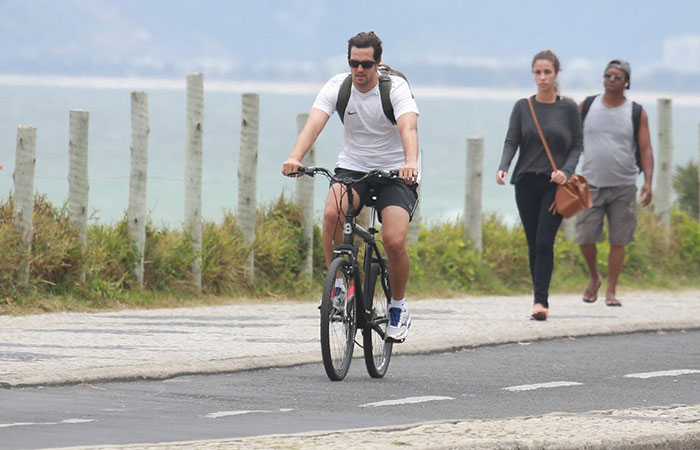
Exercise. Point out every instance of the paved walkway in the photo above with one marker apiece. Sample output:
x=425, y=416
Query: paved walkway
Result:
x=139, y=344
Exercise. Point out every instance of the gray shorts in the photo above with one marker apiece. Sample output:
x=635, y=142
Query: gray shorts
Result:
x=619, y=204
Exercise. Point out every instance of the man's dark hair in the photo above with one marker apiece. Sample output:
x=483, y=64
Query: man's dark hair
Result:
x=366, y=39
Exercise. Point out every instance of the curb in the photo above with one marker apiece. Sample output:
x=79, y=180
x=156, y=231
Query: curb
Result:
x=675, y=427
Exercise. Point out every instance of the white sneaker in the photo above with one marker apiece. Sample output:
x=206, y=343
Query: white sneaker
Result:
x=399, y=323
x=338, y=294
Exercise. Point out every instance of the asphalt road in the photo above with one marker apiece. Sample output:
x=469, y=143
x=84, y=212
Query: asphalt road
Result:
x=572, y=375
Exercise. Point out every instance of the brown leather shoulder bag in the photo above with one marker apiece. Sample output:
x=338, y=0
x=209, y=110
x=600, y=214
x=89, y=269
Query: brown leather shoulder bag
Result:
x=573, y=196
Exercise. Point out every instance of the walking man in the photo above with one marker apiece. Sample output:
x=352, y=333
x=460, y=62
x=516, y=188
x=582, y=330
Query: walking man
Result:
x=616, y=146
x=370, y=141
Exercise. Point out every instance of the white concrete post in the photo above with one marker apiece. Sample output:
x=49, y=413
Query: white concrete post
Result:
x=304, y=198
x=136, y=212
x=193, y=171
x=23, y=208
x=247, y=176
x=568, y=226
x=664, y=179
x=473, y=193
x=78, y=184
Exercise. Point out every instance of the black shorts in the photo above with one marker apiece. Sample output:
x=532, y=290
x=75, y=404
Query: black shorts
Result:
x=387, y=192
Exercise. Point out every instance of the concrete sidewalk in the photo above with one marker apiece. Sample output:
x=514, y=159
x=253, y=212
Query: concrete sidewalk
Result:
x=139, y=344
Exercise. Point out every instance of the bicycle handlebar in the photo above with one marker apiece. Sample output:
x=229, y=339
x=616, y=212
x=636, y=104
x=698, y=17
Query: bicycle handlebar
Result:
x=311, y=171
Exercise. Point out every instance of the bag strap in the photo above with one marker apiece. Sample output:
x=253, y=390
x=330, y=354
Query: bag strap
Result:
x=341, y=103
x=587, y=102
x=384, y=94
x=539, y=130
x=636, y=120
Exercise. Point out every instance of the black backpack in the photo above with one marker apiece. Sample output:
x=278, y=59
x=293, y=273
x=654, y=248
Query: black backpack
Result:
x=384, y=90
x=636, y=118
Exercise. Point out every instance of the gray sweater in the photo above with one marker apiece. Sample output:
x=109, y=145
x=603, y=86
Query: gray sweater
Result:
x=561, y=126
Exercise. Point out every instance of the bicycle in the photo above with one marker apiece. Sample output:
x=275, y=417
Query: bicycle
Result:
x=343, y=313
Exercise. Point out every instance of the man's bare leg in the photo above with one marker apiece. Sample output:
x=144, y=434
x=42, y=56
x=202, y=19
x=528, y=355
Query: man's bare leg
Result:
x=590, y=256
x=615, y=261
x=395, y=221
x=334, y=218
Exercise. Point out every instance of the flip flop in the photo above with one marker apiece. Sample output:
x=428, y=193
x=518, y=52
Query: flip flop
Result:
x=540, y=315
x=612, y=302
x=591, y=296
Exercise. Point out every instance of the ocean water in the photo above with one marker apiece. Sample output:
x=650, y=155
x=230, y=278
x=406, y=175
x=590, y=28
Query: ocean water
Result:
x=447, y=119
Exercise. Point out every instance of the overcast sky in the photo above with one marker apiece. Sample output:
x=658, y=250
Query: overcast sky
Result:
x=298, y=40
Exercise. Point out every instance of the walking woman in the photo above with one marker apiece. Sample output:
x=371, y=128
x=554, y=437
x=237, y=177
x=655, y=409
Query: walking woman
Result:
x=533, y=176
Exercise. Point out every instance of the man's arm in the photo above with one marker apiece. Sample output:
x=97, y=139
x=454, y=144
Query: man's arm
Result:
x=408, y=129
x=314, y=125
x=647, y=157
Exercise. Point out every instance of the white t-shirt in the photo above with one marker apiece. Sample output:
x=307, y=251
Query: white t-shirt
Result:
x=370, y=141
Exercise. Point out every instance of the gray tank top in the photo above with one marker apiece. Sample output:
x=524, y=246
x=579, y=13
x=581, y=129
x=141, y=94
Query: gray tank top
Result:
x=608, y=145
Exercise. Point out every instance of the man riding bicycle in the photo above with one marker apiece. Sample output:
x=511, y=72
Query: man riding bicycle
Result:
x=370, y=142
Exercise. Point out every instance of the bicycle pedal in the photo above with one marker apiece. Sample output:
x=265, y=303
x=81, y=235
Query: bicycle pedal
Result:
x=394, y=341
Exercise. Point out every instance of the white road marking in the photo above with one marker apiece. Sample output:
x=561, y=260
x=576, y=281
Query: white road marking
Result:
x=26, y=424
x=532, y=387
x=663, y=373
x=406, y=401
x=217, y=415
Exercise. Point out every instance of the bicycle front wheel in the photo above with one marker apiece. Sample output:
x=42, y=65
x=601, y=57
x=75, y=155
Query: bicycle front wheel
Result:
x=338, y=320
x=377, y=350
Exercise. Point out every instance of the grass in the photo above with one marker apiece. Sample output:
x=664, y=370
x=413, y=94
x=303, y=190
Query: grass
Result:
x=443, y=262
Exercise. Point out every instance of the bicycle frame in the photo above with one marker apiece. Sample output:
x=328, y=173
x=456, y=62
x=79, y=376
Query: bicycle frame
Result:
x=343, y=312
x=348, y=247
x=352, y=228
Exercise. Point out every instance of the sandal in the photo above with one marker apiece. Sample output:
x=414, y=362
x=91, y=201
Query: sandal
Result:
x=540, y=314
x=591, y=296
x=612, y=302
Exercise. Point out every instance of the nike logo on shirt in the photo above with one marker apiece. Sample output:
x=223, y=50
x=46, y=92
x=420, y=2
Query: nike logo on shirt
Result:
x=351, y=113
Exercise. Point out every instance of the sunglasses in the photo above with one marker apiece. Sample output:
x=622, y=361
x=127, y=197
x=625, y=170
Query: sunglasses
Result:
x=613, y=76
x=365, y=64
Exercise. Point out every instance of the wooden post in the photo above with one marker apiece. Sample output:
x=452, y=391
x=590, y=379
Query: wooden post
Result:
x=472, y=203
x=23, y=208
x=136, y=212
x=664, y=179
x=304, y=198
x=193, y=171
x=78, y=184
x=247, y=176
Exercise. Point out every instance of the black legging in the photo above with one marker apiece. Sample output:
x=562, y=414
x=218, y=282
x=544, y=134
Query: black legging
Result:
x=534, y=193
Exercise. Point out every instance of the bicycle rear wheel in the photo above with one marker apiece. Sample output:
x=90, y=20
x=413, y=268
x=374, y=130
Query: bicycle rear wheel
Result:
x=377, y=350
x=338, y=321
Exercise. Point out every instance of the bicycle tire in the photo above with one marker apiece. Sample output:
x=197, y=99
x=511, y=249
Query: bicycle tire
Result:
x=338, y=322
x=377, y=350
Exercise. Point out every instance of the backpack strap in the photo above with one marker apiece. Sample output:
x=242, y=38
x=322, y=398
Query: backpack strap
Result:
x=384, y=94
x=343, y=97
x=587, y=102
x=636, y=119
x=341, y=103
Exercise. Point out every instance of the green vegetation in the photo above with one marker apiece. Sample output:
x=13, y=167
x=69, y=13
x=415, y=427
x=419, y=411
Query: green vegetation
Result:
x=442, y=262
x=685, y=183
